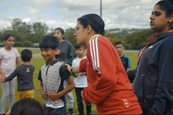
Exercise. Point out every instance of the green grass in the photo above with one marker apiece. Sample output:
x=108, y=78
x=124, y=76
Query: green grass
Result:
x=133, y=57
x=37, y=62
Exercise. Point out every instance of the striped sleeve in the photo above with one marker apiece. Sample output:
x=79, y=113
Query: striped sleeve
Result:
x=95, y=54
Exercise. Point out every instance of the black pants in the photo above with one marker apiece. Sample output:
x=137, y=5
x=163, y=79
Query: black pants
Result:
x=80, y=102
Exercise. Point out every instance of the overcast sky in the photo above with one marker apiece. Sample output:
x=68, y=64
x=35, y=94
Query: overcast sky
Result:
x=63, y=13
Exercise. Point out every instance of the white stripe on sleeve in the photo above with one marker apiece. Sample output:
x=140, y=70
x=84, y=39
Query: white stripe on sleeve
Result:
x=95, y=54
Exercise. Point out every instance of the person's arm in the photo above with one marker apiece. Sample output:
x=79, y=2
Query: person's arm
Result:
x=128, y=63
x=42, y=91
x=106, y=78
x=2, y=76
x=131, y=75
x=44, y=95
x=12, y=75
x=17, y=61
x=72, y=70
x=17, y=56
x=56, y=95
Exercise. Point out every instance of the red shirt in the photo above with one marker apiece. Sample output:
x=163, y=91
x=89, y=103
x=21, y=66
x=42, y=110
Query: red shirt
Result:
x=108, y=84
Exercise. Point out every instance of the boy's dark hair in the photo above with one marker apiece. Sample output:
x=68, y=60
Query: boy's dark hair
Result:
x=49, y=42
x=118, y=42
x=26, y=55
x=7, y=36
x=77, y=46
x=27, y=106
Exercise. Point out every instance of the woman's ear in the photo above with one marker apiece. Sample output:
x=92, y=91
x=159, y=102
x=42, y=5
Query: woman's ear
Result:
x=89, y=28
x=57, y=51
x=170, y=19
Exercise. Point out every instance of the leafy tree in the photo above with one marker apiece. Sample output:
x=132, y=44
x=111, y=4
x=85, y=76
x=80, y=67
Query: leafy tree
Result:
x=69, y=35
x=138, y=39
x=39, y=29
x=21, y=29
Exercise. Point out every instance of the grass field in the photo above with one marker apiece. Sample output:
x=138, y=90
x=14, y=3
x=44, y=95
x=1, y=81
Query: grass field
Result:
x=37, y=62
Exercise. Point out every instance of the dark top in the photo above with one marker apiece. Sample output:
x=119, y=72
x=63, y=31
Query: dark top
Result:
x=24, y=75
x=64, y=74
x=153, y=83
x=67, y=52
x=126, y=62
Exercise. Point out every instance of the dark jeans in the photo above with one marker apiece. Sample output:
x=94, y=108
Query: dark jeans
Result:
x=54, y=111
x=80, y=102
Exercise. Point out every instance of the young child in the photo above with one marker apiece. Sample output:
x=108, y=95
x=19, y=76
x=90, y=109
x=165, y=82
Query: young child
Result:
x=24, y=73
x=52, y=75
x=9, y=59
x=125, y=59
x=80, y=80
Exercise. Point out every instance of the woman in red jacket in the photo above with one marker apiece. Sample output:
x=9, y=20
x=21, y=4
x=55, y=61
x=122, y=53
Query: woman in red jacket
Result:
x=108, y=84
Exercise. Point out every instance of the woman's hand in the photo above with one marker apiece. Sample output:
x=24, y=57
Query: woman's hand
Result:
x=68, y=67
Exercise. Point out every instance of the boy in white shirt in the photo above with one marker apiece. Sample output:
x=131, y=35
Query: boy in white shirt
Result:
x=80, y=81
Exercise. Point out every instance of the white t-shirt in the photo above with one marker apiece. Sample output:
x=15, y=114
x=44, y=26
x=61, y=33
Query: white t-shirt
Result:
x=8, y=60
x=80, y=81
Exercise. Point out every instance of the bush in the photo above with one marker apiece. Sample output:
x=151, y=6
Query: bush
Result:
x=23, y=44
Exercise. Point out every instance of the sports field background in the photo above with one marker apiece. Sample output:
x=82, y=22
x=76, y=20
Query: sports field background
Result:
x=37, y=61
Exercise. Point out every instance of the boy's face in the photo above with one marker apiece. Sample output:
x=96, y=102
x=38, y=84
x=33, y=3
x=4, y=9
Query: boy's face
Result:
x=120, y=49
x=80, y=52
x=48, y=54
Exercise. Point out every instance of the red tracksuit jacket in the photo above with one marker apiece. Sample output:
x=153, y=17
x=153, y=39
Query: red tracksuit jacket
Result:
x=108, y=84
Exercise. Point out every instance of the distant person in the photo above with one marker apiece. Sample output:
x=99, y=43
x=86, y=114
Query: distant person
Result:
x=66, y=55
x=27, y=106
x=24, y=73
x=52, y=75
x=125, y=59
x=9, y=59
x=80, y=80
x=153, y=84
x=108, y=85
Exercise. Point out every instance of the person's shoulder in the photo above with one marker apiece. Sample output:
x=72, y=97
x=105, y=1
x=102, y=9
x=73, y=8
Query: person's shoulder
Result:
x=2, y=49
x=31, y=66
x=165, y=36
x=66, y=42
x=63, y=66
x=44, y=65
x=98, y=38
x=77, y=58
x=167, y=41
x=20, y=67
x=13, y=48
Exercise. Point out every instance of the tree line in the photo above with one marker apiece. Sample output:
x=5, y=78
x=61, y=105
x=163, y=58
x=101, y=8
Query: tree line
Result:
x=26, y=34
